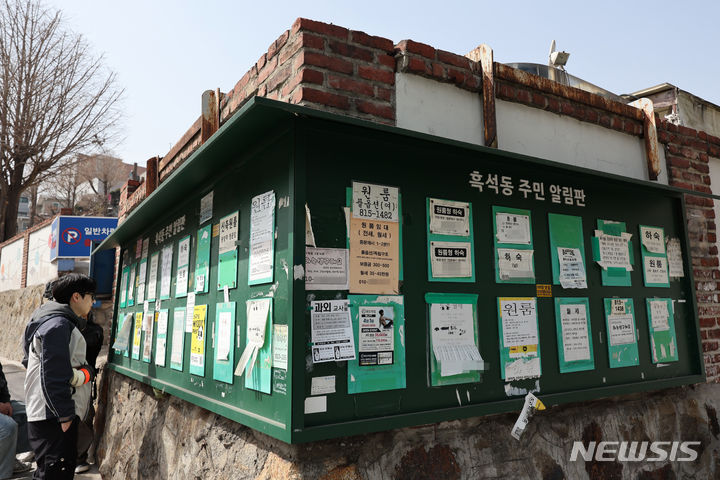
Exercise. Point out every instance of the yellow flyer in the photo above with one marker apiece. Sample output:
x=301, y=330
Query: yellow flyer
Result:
x=197, y=341
x=136, y=335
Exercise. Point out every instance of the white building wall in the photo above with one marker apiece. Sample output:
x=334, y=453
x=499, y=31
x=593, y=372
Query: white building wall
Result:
x=428, y=106
x=40, y=269
x=11, y=265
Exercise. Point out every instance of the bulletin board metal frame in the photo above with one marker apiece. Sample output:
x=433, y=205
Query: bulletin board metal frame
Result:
x=313, y=144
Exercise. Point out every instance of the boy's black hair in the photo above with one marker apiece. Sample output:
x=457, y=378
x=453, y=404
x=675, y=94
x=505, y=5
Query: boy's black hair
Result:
x=49, y=288
x=66, y=285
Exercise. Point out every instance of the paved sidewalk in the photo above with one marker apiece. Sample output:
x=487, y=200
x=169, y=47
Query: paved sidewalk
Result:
x=15, y=375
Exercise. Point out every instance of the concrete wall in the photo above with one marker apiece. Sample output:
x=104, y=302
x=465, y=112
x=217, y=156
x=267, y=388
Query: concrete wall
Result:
x=11, y=263
x=159, y=437
x=16, y=306
x=40, y=269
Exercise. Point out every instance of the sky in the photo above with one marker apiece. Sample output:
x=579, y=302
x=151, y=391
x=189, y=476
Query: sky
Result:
x=166, y=53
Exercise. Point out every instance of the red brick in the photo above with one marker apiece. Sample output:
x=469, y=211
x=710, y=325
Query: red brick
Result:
x=377, y=110
x=567, y=108
x=350, y=85
x=690, y=132
x=351, y=51
x=702, y=135
x=702, y=188
x=304, y=24
x=377, y=74
x=591, y=115
x=418, y=66
x=713, y=139
x=412, y=46
x=456, y=76
x=539, y=100
x=679, y=162
x=267, y=70
x=663, y=136
x=308, y=40
x=306, y=75
x=319, y=60
x=278, y=44
x=302, y=40
x=706, y=179
x=277, y=78
x=699, y=145
x=306, y=94
x=692, y=177
x=261, y=62
x=453, y=59
x=709, y=261
x=629, y=127
x=553, y=104
x=680, y=184
x=707, y=322
x=714, y=333
x=386, y=60
x=369, y=41
x=473, y=82
x=438, y=71
x=383, y=93
x=605, y=121
x=506, y=91
x=700, y=167
x=616, y=123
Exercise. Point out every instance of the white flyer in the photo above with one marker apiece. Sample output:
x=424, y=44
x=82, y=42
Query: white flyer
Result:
x=614, y=250
x=152, y=280
x=621, y=329
x=123, y=287
x=515, y=263
x=453, y=338
x=331, y=331
x=142, y=273
x=228, y=233
x=178, y=336
x=309, y=235
x=576, y=343
x=449, y=218
x=122, y=339
x=675, y=258
x=653, y=239
x=181, y=281
x=280, y=346
x=451, y=259
x=257, y=315
x=519, y=322
x=262, y=238
x=184, y=252
x=512, y=228
x=206, y=207
x=572, y=268
x=131, y=285
x=659, y=315
x=161, y=343
x=326, y=268
x=147, y=341
x=166, y=271
x=656, y=270
x=322, y=385
x=224, y=336
x=376, y=335
x=145, y=247
x=189, y=312
x=375, y=202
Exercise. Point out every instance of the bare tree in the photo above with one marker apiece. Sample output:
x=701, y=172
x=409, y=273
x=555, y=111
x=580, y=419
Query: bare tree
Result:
x=64, y=184
x=102, y=173
x=56, y=100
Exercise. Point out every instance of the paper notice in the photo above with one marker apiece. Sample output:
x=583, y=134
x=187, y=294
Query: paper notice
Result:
x=674, y=258
x=519, y=322
x=450, y=259
x=621, y=330
x=614, y=250
x=190, y=311
x=184, y=252
x=122, y=339
x=309, y=235
x=453, y=338
x=178, y=337
x=449, y=218
x=206, y=208
x=147, y=344
x=572, y=268
x=199, y=334
x=331, y=331
x=322, y=385
x=145, y=247
x=515, y=263
x=152, y=280
x=142, y=274
x=131, y=286
x=315, y=404
x=228, y=233
x=376, y=335
x=160, y=347
x=375, y=202
x=326, y=269
x=512, y=228
x=262, y=238
x=257, y=315
x=374, y=256
x=659, y=315
x=521, y=368
x=224, y=336
x=656, y=270
x=280, y=347
x=123, y=287
x=181, y=281
x=653, y=239
x=137, y=335
x=618, y=306
x=576, y=345
x=531, y=403
x=166, y=271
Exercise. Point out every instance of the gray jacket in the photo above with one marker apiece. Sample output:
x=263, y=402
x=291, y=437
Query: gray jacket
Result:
x=53, y=347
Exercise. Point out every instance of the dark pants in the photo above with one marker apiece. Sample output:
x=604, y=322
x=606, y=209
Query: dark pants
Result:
x=86, y=435
x=55, y=450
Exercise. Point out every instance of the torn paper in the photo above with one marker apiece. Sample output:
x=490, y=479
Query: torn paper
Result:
x=659, y=315
x=532, y=403
x=257, y=315
x=653, y=239
x=572, y=268
x=614, y=250
x=674, y=258
x=453, y=338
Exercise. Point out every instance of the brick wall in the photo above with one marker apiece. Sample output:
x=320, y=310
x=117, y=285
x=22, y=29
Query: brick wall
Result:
x=687, y=152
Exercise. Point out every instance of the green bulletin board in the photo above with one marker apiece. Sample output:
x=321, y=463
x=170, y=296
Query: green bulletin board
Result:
x=450, y=240
x=574, y=338
x=621, y=332
x=513, y=241
x=373, y=378
x=620, y=251
x=566, y=244
x=661, y=325
x=449, y=301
